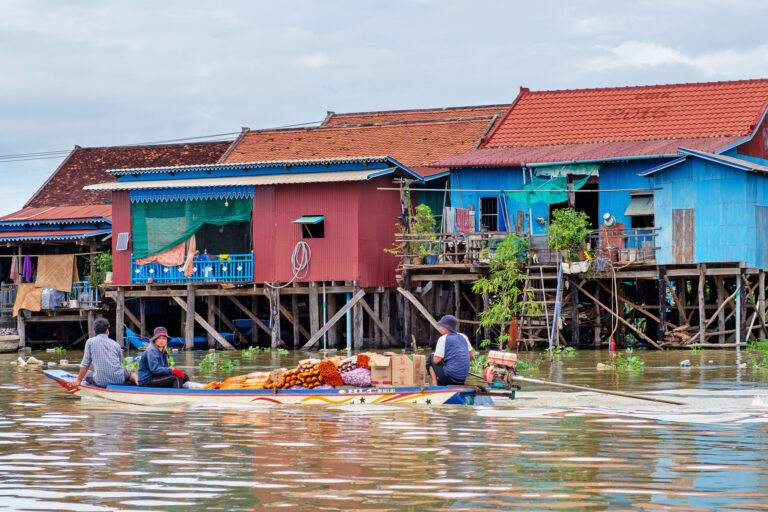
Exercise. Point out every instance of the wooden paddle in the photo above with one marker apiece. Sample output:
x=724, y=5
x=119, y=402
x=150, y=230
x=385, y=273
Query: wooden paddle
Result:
x=518, y=378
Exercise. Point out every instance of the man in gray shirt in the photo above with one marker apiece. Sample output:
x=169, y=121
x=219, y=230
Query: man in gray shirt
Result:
x=107, y=358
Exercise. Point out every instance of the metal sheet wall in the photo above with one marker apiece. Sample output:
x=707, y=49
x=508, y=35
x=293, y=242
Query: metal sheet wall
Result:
x=121, y=223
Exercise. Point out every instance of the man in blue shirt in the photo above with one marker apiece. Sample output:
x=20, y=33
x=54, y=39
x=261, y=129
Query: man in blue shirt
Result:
x=449, y=365
x=107, y=358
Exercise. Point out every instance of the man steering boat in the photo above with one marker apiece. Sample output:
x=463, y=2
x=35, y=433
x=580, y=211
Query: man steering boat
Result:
x=449, y=365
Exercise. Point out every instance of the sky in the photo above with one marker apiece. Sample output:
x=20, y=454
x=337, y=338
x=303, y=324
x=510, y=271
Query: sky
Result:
x=104, y=73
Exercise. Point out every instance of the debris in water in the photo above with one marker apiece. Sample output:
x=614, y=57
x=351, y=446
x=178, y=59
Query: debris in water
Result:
x=685, y=364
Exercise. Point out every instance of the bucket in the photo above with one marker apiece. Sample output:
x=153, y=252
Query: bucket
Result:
x=108, y=277
x=74, y=303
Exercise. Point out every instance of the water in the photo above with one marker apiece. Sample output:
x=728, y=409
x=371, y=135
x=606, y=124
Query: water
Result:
x=547, y=450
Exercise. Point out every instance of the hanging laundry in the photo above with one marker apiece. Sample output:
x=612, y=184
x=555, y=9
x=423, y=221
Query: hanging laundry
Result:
x=189, y=264
x=170, y=257
x=26, y=272
x=14, y=275
x=463, y=223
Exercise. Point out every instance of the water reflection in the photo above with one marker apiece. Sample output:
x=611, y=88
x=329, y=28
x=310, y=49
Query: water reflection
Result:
x=546, y=451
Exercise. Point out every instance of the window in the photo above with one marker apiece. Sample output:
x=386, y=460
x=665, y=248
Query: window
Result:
x=312, y=226
x=489, y=214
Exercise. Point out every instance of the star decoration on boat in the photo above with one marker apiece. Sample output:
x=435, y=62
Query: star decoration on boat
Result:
x=362, y=399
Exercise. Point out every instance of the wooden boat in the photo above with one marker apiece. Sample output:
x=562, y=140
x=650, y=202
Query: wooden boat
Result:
x=439, y=395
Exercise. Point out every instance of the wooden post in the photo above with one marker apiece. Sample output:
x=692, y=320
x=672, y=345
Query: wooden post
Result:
x=205, y=325
x=274, y=316
x=386, y=318
x=575, y=338
x=357, y=323
x=457, y=299
x=598, y=318
x=520, y=225
x=314, y=313
x=295, y=313
x=478, y=304
x=333, y=340
x=407, y=327
x=761, y=305
x=335, y=318
x=720, y=283
x=377, y=313
x=21, y=327
x=189, y=327
x=702, y=305
x=743, y=305
x=486, y=305
x=211, y=319
x=254, y=312
x=91, y=318
x=120, y=317
x=661, y=333
x=143, y=317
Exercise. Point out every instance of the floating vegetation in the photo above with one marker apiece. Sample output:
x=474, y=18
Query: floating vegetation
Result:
x=757, y=346
x=59, y=350
x=626, y=362
x=562, y=351
x=525, y=365
x=478, y=364
x=212, y=363
x=131, y=363
x=696, y=348
x=759, y=363
x=251, y=352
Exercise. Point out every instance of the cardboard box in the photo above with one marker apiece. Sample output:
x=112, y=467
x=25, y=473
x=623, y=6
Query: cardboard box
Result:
x=408, y=370
x=381, y=370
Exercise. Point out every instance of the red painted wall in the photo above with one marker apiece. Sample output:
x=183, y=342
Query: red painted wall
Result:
x=359, y=224
x=758, y=146
x=121, y=223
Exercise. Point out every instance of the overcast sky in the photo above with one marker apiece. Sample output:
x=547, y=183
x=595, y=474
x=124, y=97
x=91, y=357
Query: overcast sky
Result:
x=106, y=73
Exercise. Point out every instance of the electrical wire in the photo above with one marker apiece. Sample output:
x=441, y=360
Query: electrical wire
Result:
x=299, y=264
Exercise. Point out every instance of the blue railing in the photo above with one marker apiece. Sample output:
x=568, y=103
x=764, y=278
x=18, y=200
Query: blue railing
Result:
x=7, y=296
x=86, y=296
x=206, y=268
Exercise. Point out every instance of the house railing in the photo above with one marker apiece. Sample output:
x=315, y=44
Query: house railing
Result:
x=87, y=297
x=7, y=296
x=205, y=268
x=616, y=245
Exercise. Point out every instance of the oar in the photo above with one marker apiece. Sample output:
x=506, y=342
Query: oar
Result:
x=605, y=391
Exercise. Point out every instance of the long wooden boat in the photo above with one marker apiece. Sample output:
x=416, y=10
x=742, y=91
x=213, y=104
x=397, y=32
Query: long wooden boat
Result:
x=439, y=395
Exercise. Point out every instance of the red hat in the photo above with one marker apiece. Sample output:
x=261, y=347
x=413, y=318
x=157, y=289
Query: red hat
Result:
x=159, y=331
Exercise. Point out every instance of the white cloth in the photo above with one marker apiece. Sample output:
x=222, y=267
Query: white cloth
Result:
x=440, y=348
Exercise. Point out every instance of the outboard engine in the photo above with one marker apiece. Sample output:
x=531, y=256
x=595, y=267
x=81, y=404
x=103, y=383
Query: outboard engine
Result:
x=501, y=369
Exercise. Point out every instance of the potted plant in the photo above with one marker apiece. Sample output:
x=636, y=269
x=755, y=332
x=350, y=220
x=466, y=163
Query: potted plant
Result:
x=567, y=232
x=423, y=227
x=102, y=269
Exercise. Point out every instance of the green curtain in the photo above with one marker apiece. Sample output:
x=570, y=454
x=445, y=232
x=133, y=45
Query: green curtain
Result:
x=160, y=226
x=550, y=191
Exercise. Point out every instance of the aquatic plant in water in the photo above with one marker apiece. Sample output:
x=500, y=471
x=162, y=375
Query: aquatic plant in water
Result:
x=627, y=361
x=131, y=363
x=529, y=366
x=478, y=364
x=59, y=350
x=252, y=352
x=562, y=351
x=211, y=363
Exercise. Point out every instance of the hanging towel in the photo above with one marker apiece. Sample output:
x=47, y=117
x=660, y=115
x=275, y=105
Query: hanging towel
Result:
x=56, y=271
x=14, y=268
x=26, y=272
x=463, y=223
x=189, y=264
x=170, y=257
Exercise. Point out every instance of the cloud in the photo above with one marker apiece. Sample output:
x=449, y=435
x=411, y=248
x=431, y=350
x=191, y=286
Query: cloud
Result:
x=640, y=54
x=313, y=60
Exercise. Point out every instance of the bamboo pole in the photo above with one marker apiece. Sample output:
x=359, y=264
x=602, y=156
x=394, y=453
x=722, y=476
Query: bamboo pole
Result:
x=518, y=378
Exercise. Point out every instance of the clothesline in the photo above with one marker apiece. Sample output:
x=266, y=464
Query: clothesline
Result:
x=38, y=255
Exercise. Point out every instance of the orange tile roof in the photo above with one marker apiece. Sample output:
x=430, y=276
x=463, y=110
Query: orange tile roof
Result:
x=54, y=213
x=426, y=114
x=711, y=109
x=413, y=144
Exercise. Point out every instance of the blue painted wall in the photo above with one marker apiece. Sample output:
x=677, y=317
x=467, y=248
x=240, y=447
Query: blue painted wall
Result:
x=506, y=178
x=622, y=175
x=726, y=205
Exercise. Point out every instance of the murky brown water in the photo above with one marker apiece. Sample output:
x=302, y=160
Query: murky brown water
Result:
x=547, y=450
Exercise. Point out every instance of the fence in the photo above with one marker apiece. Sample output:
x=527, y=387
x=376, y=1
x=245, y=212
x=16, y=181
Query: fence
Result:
x=86, y=296
x=205, y=268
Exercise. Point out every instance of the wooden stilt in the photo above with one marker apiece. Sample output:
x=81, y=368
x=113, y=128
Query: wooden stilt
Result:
x=720, y=283
x=661, y=332
x=386, y=304
x=189, y=328
x=143, y=317
x=250, y=314
x=205, y=325
x=274, y=316
x=254, y=316
x=375, y=320
x=419, y=306
x=335, y=318
x=120, y=317
x=743, y=319
x=211, y=318
x=314, y=313
x=702, y=305
x=457, y=299
x=357, y=324
x=478, y=305
x=407, y=327
x=91, y=318
x=21, y=328
x=377, y=338
x=575, y=334
x=333, y=340
x=761, y=305
x=295, y=313
x=598, y=319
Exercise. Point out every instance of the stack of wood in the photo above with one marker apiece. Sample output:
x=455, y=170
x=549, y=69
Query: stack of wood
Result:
x=679, y=336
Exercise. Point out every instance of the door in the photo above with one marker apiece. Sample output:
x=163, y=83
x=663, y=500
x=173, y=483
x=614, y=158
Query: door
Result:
x=683, y=235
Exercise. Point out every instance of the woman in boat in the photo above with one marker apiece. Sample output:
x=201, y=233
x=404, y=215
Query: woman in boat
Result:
x=449, y=365
x=154, y=370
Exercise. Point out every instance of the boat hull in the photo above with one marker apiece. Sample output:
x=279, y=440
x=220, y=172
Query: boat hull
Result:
x=134, y=395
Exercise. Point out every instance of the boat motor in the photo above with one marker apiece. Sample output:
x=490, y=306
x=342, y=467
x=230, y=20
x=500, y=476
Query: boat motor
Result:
x=501, y=369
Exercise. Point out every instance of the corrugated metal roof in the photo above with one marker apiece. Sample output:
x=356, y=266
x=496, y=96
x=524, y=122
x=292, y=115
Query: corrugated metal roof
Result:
x=576, y=153
x=254, y=165
x=738, y=163
x=269, y=179
x=59, y=214
x=16, y=236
